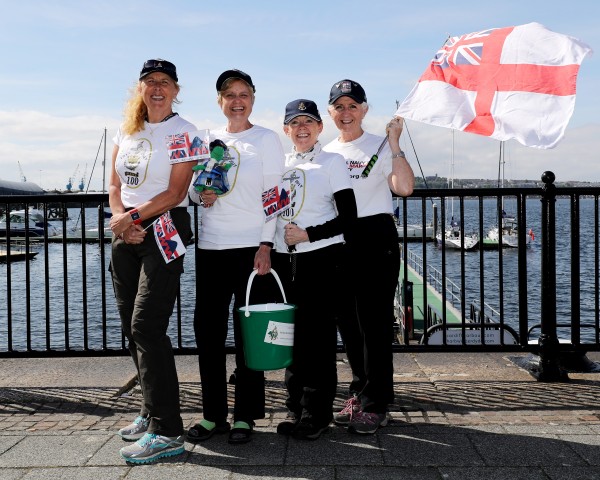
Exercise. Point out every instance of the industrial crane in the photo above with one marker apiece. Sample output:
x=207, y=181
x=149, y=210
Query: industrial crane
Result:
x=72, y=178
x=82, y=182
x=23, y=178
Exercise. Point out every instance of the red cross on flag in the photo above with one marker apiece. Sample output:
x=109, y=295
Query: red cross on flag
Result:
x=514, y=82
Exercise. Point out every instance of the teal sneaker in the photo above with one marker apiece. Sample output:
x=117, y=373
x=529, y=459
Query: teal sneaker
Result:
x=151, y=447
x=135, y=430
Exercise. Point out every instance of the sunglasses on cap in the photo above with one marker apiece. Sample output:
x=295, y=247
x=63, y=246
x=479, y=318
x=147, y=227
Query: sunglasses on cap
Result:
x=159, y=65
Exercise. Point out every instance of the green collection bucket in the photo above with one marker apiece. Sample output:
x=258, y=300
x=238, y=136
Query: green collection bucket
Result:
x=267, y=331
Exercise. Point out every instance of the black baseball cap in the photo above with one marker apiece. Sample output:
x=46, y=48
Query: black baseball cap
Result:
x=300, y=107
x=347, y=88
x=226, y=75
x=159, y=65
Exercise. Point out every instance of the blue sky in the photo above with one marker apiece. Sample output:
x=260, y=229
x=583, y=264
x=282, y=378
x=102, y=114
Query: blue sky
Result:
x=67, y=67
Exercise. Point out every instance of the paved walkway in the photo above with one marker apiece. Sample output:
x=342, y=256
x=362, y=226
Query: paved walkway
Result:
x=456, y=416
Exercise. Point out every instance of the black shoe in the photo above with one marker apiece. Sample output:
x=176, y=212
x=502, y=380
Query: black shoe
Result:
x=290, y=422
x=307, y=430
x=241, y=434
x=198, y=433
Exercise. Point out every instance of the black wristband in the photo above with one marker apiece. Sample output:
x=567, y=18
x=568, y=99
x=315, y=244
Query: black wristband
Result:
x=268, y=244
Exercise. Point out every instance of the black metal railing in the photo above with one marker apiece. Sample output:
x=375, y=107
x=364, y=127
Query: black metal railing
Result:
x=60, y=303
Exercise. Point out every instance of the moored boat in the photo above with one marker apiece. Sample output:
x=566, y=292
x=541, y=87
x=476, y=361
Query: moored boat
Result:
x=454, y=238
x=22, y=224
x=508, y=234
x=15, y=253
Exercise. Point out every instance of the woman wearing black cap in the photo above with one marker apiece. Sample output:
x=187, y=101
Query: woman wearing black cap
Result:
x=373, y=252
x=144, y=184
x=234, y=238
x=308, y=248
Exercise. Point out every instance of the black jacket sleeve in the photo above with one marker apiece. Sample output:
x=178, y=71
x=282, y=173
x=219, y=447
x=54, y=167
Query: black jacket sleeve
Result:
x=345, y=203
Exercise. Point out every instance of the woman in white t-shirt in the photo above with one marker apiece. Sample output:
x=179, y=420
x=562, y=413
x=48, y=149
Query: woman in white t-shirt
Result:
x=308, y=245
x=377, y=167
x=234, y=239
x=145, y=183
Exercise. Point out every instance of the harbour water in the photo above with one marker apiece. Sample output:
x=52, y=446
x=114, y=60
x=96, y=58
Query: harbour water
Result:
x=81, y=291
x=485, y=265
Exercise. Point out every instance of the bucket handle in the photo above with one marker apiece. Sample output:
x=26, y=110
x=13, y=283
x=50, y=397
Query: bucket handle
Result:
x=252, y=275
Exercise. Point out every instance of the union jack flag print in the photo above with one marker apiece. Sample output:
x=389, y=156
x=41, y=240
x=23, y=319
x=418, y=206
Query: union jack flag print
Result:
x=463, y=50
x=181, y=149
x=167, y=238
x=276, y=199
x=270, y=196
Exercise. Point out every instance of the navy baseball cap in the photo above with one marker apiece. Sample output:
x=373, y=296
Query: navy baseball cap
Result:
x=159, y=65
x=300, y=107
x=226, y=75
x=347, y=88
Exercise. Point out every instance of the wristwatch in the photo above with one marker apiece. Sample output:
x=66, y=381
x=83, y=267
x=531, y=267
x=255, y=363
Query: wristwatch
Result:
x=135, y=216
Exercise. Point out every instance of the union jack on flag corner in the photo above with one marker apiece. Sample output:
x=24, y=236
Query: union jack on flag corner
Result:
x=504, y=83
x=167, y=238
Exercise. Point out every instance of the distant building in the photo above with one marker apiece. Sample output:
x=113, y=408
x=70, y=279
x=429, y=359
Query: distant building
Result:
x=19, y=188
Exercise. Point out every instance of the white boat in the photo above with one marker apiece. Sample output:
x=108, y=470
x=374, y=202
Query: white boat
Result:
x=90, y=233
x=452, y=236
x=17, y=252
x=413, y=230
x=507, y=233
x=22, y=224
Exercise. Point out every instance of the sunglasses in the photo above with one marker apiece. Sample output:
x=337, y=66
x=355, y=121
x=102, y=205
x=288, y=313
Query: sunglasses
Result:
x=151, y=64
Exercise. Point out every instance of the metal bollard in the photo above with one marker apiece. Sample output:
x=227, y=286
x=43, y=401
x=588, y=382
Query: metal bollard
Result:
x=548, y=368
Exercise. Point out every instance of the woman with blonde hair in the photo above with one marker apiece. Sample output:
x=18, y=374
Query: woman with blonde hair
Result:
x=146, y=183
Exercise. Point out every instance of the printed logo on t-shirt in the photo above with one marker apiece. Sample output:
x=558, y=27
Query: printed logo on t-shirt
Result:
x=297, y=182
x=136, y=161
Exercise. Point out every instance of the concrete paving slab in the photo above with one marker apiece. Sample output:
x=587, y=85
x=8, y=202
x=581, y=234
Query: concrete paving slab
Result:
x=493, y=473
x=52, y=450
x=266, y=448
x=526, y=451
x=453, y=448
x=572, y=473
x=586, y=446
x=388, y=473
x=79, y=473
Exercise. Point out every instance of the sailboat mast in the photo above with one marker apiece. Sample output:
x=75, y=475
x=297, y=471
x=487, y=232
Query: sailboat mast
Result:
x=104, y=165
x=452, y=175
x=501, y=170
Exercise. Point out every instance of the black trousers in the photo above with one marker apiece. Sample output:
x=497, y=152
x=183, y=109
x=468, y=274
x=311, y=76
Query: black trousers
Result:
x=146, y=288
x=311, y=380
x=373, y=267
x=228, y=272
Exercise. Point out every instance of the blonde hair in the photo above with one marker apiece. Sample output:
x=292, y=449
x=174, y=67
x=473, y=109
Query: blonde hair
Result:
x=136, y=111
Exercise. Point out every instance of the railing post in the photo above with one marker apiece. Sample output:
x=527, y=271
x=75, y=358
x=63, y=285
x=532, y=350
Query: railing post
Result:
x=548, y=368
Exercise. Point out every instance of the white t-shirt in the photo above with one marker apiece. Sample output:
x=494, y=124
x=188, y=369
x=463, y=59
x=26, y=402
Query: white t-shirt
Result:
x=313, y=181
x=237, y=218
x=373, y=194
x=143, y=164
